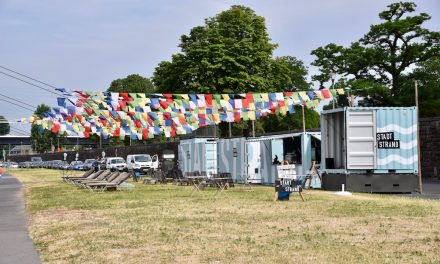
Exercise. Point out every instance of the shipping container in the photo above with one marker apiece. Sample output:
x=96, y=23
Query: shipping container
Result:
x=251, y=159
x=370, y=149
x=198, y=154
x=264, y=154
x=231, y=158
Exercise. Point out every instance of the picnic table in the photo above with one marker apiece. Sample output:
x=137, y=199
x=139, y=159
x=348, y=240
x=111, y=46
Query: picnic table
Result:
x=200, y=182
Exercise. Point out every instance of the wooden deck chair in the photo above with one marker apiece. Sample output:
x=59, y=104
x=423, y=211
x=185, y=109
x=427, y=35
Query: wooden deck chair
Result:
x=113, y=185
x=86, y=174
x=91, y=176
x=103, y=176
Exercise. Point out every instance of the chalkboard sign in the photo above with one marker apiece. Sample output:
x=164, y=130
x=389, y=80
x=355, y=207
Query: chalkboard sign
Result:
x=288, y=185
x=285, y=186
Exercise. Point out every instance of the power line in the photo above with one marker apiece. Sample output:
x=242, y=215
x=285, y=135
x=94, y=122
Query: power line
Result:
x=21, y=102
x=27, y=77
x=45, y=89
x=17, y=105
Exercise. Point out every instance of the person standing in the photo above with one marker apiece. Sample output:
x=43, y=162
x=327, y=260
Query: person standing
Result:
x=1, y=173
x=96, y=164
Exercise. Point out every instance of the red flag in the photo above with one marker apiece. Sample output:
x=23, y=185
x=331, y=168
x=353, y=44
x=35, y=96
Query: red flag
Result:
x=89, y=111
x=326, y=93
x=236, y=116
x=117, y=132
x=250, y=98
x=208, y=100
x=164, y=104
x=145, y=133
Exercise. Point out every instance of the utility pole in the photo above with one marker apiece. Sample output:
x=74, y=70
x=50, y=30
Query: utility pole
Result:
x=304, y=120
x=418, y=139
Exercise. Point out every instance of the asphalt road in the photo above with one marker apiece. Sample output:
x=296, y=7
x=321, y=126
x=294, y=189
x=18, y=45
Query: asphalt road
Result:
x=15, y=244
x=431, y=189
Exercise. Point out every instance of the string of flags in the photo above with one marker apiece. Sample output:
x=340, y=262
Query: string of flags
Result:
x=143, y=116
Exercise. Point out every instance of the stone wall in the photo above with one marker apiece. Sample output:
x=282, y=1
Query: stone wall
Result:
x=430, y=146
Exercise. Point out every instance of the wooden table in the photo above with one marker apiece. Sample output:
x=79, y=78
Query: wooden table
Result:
x=197, y=182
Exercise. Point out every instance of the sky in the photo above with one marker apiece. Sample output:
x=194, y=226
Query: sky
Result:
x=85, y=44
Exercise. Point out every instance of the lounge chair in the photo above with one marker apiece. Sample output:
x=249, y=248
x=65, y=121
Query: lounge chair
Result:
x=104, y=175
x=112, y=185
x=110, y=177
x=91, y=176
x=86, y=174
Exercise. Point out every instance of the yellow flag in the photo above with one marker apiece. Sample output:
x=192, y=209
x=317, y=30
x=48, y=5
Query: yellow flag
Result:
x=304, y=96
x=252, y=115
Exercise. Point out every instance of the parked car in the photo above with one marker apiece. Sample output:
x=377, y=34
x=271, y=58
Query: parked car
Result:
x=88, y=163
x=115, y=163
x=24, y=164
x=142, y=163
x=54, y=164
x=11, y=164
x=36, y=162
x=76, y=165
x=64, y=165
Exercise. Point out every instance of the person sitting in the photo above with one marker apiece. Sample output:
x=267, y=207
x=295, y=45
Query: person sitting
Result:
x=276, y=161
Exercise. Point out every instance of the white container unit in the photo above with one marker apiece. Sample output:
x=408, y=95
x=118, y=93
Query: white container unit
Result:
x=370, y=149
x=299, y=149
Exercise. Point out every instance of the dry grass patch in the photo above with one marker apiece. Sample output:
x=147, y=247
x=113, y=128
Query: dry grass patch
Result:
x=166, y=224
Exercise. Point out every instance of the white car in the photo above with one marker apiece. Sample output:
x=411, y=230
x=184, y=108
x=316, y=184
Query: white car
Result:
x=142, y=163
x=11, y=164
x=115, y=163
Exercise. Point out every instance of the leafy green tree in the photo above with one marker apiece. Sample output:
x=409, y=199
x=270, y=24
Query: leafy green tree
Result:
x=376, y=64
x=41, y=140
x=289, y=73
x=4, y=126
x=278, y=122
x=230, y=53
x=427, y=75
x=133, y=83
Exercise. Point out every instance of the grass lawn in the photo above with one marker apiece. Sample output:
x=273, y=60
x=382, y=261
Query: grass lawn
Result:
x=165, y=224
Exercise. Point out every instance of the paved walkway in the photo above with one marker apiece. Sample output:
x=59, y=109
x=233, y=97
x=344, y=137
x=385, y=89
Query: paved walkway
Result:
x=15, y=243
x=431, y=190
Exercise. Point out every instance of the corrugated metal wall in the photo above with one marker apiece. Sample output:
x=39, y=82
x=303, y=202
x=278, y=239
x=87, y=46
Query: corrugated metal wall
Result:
x=403, y=122
x=231, y=158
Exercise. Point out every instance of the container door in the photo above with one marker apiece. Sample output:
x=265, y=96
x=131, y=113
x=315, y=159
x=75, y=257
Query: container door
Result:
x=360, y=133
x=211, y=158
x=253, y=157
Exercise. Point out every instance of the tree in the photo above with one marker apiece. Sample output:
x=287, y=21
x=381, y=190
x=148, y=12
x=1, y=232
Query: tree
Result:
x=427, y=75
x=4, y=126
x=133, y=83
x=41, y=139
x=379, y=60
x=230, y=53
x=289, y=73
x=291, y=122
